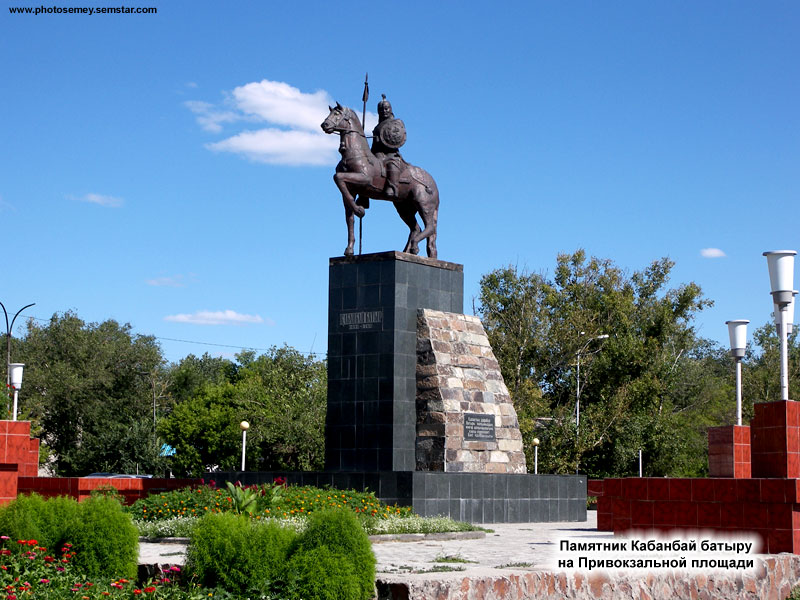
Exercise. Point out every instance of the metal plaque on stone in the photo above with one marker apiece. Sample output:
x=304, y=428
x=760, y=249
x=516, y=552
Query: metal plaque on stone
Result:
x=478, y=427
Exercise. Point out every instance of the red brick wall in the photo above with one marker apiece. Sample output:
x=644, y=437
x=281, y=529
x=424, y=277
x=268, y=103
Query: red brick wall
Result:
x=81, y=487
x=769, y=508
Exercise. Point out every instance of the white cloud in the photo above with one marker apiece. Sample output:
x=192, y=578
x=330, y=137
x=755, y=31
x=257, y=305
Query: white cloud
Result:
x=712, y=253
x=218, y=317
x=102, y=200
x=280, y=147
x=292, y=135
x=280, y=103
x=167, y=281
x=209, y=117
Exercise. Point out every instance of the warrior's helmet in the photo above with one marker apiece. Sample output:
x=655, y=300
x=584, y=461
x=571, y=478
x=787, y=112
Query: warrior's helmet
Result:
x=385, y=109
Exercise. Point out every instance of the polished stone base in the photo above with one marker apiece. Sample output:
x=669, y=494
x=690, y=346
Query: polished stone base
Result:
x=473, y=497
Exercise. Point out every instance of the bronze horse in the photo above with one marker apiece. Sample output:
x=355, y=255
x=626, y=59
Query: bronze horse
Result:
x=359, y=173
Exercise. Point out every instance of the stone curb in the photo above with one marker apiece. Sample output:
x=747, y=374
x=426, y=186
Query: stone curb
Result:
x=418, y=537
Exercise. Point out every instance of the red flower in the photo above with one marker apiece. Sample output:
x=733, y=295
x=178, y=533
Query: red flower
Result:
x=137, y=592
x=149, y=590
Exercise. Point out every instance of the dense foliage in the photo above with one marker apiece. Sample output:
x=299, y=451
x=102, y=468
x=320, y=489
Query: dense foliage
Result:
x=102, y=399
x=652, y=384
x=281, y=394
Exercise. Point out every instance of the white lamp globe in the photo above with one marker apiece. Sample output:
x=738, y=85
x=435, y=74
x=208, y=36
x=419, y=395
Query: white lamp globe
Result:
x=15, y=375
x=737, y=332
x=781, y=274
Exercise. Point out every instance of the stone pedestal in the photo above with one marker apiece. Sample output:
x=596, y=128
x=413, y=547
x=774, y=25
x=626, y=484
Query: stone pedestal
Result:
x=729, y=451
x=372, y=354
x=775, y=439
x=465, y=419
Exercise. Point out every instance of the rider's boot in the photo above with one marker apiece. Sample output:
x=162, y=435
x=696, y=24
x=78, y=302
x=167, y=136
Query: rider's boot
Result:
x=392, y=173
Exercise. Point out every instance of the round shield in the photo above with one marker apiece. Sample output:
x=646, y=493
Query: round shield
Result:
x=392, y=133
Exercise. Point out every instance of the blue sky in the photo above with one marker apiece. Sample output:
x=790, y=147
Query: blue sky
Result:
x=168, y=170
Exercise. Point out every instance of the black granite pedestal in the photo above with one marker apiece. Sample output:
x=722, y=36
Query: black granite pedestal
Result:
x=372, y=354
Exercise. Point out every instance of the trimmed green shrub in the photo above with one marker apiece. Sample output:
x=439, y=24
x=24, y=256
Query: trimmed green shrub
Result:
x=341, y=533
x=238, y=554
x=322, y=574
x=22, y=518
x=31, y=517
x=104, y=539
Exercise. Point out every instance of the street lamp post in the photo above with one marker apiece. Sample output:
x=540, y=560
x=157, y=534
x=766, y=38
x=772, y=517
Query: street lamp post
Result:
x=737, y=331
x=9, y=328
x=244, y=426
x=781, y=277
x=15, y=376
x=578, y=376
x=535, y=456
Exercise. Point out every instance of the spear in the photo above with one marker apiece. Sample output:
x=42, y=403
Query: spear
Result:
x=364, y=98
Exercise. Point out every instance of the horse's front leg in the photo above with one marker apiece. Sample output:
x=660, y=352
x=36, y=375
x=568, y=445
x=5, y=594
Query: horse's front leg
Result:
x=351, y=236
x=343, y=181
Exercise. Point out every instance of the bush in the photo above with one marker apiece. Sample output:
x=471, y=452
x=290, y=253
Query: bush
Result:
x=341, y=533
x=104, y=539
x=322, y=574
x=237, y=554
x=22, y=518
x=31, y=517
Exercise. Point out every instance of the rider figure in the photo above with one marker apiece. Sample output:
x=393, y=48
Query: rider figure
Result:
x=387, y=137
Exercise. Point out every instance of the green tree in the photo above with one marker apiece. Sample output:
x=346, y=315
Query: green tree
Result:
x=191, y=374
x=204, y=431
x=639, y=387
x=281, y=393
x=89, y=387
x=761, y=368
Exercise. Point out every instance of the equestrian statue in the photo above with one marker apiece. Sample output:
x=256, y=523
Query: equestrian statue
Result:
x=381, y=173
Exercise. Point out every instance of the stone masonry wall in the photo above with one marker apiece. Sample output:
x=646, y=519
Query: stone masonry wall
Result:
x=772, y=579
x=458, y=379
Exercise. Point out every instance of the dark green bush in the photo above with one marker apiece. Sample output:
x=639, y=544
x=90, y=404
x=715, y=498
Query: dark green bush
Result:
x=341, y=533
x=31, y=517
x=238, y=554
x=105, y=540
x=22, y=518
x=322, y=574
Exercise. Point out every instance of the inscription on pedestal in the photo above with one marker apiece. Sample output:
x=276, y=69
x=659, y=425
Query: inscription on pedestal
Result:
x=362, y=320
x=479, y=427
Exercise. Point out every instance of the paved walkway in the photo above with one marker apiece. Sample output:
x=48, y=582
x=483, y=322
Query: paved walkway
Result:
x=519, y=546
x=524, y=545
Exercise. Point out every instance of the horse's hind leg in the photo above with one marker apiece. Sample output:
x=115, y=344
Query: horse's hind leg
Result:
x=429, y=213
x=408, y=215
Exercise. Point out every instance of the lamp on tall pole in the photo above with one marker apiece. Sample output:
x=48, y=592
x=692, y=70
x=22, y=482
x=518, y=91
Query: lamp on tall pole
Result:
x=737, y=331
x=578, y=388
x=9, y=328
x=244, y=425
x=15, y=376
x=781, y=279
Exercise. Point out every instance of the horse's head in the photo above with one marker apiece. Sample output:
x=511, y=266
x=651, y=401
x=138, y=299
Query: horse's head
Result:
x=341, y=119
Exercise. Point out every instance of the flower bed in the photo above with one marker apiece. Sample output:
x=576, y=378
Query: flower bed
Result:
x=273, y=500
